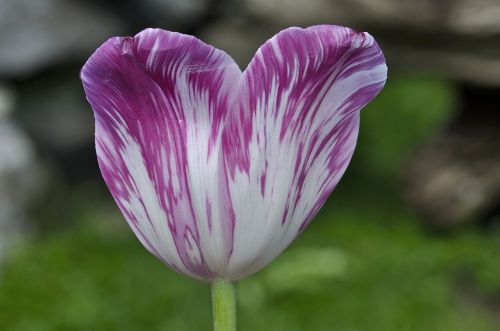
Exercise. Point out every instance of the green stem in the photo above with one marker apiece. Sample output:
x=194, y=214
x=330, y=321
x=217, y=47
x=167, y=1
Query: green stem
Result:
x=224, y=306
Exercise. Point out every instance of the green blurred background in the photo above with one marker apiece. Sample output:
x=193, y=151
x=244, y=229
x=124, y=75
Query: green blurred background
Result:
x=373, y=259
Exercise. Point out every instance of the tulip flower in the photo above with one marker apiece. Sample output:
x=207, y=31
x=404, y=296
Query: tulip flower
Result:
x=217, y=170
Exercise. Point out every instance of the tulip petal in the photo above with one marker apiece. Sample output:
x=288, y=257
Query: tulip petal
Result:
x=160, y=100
x=293, y=133
x=218, y=171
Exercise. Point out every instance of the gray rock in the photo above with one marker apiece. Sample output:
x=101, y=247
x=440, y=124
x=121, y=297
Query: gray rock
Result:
x=455, y=177
x=36, y=34
x=448, y=185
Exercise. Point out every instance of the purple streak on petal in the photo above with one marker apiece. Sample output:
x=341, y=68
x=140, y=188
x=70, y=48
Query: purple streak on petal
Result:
x=347, y=134
x=296, y=126
x=159, y=99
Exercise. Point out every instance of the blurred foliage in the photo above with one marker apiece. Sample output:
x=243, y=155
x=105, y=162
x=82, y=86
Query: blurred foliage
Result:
x=363, y=264
x=404, y=115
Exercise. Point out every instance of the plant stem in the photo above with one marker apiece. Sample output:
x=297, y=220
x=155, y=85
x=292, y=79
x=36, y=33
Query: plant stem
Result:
x=224, y=306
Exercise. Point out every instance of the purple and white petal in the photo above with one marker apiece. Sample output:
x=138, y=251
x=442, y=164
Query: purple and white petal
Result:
x=160, y=100
x=292, y=135
x=218, y=171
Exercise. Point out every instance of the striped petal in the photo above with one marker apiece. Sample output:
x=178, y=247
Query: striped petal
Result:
x=218, y=171
x=160, y=100
x=293, y=133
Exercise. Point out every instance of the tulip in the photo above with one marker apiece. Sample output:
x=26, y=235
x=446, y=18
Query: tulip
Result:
x=217, y=170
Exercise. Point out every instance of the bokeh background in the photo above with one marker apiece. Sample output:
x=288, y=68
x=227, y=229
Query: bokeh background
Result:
x=410, y=239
